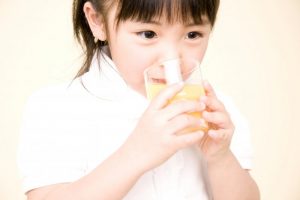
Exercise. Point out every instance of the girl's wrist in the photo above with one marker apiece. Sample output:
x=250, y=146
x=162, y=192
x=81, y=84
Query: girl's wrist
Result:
x=220, y=160
x=132, y=159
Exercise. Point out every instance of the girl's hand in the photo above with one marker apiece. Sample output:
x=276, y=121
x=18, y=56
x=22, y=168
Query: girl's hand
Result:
x=215, y=144
x=154, y=139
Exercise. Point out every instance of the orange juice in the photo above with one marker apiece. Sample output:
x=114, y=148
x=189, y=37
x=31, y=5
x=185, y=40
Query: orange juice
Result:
x=189, y=92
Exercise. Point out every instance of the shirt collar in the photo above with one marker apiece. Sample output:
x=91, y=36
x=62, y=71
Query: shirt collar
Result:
x=104, y=81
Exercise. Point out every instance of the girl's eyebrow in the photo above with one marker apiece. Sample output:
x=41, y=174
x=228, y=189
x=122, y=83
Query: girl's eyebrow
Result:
x=204, y=22
x=152, y=22
x=197, y=24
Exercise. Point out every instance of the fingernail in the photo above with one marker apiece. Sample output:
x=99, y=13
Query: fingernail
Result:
x=203, y=99
x=205, y=83
x=204, y=114
x=202, y=106
x=202, y=122
x=212, y=134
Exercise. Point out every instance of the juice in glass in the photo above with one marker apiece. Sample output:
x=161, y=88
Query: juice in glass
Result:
x=189, y=92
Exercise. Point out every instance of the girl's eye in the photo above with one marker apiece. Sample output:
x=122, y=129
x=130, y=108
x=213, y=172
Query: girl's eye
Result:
x=147, y=34
x=194, y=35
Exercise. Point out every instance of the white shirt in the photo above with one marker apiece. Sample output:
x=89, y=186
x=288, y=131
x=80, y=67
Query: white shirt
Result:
x=70, y=129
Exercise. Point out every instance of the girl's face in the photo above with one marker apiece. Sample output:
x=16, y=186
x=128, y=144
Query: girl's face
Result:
x=134, y=46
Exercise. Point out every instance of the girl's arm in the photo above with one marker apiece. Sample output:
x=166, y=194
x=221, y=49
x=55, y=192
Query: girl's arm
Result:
x=228, y=180
x=151, y=143
x=110, y=180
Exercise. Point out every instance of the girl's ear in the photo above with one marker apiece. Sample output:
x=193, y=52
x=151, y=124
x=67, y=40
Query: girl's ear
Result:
x=95, y=21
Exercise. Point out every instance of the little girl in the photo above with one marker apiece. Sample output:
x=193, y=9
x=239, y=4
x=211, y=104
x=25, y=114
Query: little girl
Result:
x=98, y=138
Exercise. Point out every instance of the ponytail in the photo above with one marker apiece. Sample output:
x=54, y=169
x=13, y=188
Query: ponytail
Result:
x=84, y=35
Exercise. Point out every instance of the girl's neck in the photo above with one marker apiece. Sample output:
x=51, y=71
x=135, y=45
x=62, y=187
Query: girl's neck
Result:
x=139, y=89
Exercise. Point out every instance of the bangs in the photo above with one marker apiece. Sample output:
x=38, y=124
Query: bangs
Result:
x=184, y=11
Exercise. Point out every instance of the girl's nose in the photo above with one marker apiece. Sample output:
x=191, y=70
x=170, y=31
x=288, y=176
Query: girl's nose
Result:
x=170, y=51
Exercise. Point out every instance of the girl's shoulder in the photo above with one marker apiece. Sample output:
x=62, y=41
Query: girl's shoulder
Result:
x=60, y=98
x=60, y=91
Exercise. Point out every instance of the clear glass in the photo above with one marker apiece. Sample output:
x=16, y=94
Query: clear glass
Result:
x=159, y=75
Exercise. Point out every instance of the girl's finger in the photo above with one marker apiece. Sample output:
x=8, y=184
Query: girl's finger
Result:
x=184, y=121
x=180, y=107
x=189, y=139
x=219, y=135
x=209, y=91
x=212, y=103
x=163, y=98
x=220, y=119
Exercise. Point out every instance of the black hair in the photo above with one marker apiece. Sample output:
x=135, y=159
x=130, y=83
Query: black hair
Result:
x=138, y=10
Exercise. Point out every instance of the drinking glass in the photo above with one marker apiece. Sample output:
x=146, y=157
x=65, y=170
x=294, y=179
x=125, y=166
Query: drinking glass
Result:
x=160, y=75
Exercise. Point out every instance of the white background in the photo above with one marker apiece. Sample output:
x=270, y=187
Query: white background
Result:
x=254, y=56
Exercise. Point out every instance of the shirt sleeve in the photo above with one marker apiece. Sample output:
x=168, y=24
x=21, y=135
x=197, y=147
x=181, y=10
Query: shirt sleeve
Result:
x=241, y=145
x=49, y=150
